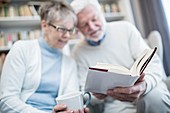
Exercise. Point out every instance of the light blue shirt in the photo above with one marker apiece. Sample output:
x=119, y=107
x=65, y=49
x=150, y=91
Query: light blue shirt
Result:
x=44, y=97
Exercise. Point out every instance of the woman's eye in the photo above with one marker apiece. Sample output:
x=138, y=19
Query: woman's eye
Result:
x=61, y=29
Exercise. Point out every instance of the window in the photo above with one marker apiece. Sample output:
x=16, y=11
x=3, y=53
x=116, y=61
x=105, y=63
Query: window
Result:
x=166, y=4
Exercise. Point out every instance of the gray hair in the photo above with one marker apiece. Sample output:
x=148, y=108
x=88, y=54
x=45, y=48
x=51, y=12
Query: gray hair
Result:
x=79, y=5
x=55, y=10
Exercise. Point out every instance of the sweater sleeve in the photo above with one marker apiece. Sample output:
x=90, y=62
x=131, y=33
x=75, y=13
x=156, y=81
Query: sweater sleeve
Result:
x=69, y=80
x=154, y=73
x=82, y=72
x=11, y=83
x=72, y=83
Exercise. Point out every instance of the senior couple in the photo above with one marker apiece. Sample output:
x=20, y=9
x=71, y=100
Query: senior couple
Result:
x=35, y=72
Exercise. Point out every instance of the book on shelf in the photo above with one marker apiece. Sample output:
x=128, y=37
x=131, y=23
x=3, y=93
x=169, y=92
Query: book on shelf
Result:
x=107, y=8
x=114, y=7
x=104, y=76
x=33, y=10
x=7, y=39
x=15, y=10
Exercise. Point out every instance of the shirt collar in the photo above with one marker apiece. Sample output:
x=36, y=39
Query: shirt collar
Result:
x=95, y=43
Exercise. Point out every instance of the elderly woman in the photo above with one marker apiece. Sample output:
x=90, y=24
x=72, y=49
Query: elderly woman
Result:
x=35, y=72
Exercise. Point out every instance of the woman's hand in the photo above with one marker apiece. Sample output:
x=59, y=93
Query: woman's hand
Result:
x=62, y=108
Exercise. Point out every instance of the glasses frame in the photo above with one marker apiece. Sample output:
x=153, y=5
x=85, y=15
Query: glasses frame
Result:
x=63, y=29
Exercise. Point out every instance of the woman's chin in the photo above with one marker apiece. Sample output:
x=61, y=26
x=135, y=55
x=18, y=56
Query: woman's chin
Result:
x=59, y=46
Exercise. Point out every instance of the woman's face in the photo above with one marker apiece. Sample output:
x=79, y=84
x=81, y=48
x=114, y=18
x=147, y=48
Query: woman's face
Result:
x=58, y=33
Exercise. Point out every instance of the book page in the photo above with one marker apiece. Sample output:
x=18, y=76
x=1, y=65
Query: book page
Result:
x=145, y=61
x=103, y=65
x=120, y=70
x=141, y=63
x=110, y=68
x=136, y=63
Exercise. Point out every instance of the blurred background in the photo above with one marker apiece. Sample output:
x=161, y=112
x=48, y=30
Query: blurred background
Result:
x=19, y=20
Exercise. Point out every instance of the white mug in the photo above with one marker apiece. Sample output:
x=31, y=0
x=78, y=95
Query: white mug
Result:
x=74, y=100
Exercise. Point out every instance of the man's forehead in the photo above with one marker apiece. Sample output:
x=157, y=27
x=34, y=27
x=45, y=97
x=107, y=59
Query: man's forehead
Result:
x=87, y=11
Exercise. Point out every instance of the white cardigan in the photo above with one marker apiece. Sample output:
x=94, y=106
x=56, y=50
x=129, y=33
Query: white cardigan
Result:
x=21, y=77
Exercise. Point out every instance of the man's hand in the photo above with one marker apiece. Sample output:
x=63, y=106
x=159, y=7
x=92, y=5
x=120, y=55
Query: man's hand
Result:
x=62, y=108
x=130, y=94
x=99, y=96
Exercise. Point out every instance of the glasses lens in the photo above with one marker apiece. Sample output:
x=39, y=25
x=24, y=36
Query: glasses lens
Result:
x=72, y=31
x=61, y=29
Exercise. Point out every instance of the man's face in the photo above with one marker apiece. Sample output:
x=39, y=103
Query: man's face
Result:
x=90, y=23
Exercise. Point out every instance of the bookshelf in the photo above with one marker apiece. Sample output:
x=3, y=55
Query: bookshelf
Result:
x=14, y=26
x=14, y=22
x=117, y=10
x=114, y=16
x=114, y=10
x=18, y=19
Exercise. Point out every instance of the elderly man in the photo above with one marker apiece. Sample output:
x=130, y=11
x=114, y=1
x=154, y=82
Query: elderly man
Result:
x=118, y=43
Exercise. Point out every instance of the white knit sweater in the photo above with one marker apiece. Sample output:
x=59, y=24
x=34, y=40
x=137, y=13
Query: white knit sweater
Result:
x=21, y=77
x=122, y=45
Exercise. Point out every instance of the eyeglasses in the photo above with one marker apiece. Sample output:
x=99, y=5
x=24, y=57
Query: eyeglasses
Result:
x=64, y=30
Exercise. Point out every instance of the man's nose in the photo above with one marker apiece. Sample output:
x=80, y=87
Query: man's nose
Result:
x=91, y=25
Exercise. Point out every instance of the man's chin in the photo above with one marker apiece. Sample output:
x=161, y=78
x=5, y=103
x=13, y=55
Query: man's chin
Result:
x=93, y=38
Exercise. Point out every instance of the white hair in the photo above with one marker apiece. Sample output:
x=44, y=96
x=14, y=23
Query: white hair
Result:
x=79, y=5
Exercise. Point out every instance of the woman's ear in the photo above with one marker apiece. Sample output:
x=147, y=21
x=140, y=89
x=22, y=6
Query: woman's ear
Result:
x=44, y=25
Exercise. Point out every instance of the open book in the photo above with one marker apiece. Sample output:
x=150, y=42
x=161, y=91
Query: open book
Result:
x=104, y=76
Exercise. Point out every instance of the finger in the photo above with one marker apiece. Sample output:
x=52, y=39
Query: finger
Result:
x=81, y=111
x=141, y=78
x=123, y=97
x=139, y=87
x=131, y=96
x=86, y=110
x=60, y=107
x=99, y=96
x=122, y=90
x=128, y=97
x=76, y=111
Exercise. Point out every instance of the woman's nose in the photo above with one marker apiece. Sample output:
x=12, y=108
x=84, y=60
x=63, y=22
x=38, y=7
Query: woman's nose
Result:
x=67, y=35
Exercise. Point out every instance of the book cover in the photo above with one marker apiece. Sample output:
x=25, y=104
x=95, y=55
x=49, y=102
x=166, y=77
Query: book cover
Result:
x=104, y=76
